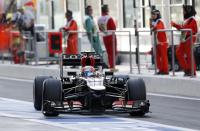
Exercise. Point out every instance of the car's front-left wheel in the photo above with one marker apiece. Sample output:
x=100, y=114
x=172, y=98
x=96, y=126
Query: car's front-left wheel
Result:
x=52, y=96
x=37, y=91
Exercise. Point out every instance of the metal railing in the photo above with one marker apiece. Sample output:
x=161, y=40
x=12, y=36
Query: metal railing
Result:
x=128, y=33
x=82, y=34
x=172, y=43
x=173, y=52
x=138, y=48
x=115, y=34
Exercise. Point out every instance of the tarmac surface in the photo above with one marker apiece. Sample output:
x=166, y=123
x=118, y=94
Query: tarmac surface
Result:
x=169, y=113
x=175, y=102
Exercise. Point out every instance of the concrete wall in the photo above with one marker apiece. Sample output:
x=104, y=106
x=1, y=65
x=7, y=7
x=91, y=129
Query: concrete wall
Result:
x=171, y=85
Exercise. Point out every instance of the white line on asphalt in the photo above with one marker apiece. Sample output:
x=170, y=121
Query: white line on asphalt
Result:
x=39, y=121
x=11, y=115
x=16, y=79
x=135, y=123
x=173, y=96
x=162, y=125
x=16, y=101
x=55, y=124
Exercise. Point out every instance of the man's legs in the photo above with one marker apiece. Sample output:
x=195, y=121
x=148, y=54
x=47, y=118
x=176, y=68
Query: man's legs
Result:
x=158, y=57
x=108, y=42
x=180, y=54
x=189, y=59
x=164, y=59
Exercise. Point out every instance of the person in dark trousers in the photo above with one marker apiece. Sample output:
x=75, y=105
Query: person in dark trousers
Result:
x=183, y=51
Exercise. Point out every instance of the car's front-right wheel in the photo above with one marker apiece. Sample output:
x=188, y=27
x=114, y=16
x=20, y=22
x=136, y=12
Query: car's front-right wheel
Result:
x=137, y=94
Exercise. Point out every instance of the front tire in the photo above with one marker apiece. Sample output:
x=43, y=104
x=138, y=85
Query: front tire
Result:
x=136, y=92
x=52, y=92
x=37, y=91
x=136, y=89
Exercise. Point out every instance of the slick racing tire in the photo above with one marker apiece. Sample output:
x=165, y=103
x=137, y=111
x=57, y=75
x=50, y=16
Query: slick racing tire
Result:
x=37, y=91
x=52, y=92
x=136, y=91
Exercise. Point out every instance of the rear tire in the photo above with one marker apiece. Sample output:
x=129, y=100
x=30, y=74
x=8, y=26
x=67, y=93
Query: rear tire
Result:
x=52, y=92
x=37, y=91
x=136, y=91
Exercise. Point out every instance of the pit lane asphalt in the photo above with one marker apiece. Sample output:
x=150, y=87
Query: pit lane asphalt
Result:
x=165, y=110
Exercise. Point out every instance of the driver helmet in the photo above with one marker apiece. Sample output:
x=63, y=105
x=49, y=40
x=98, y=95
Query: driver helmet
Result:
x=88, y=71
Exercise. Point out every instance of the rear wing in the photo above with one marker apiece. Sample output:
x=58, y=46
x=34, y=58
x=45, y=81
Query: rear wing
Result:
x=75, y=59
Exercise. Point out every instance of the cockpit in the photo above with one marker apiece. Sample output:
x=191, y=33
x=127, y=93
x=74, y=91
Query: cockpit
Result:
x=88, y=71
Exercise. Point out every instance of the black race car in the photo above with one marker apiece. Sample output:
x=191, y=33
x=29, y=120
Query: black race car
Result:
x=89, y=91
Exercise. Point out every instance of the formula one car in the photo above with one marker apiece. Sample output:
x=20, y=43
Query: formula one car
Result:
x=89, y=91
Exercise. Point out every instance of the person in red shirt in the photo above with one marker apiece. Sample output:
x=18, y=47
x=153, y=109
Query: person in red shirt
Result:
x=106, y=24
x=162, y=45
x=183, y=51
x=72, y=38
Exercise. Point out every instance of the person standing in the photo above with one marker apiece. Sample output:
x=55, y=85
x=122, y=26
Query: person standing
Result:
x=25, y=21
x=106, y=24
x=72, y=37
x=92, y=34
x=162, y=45
x=91, y=29
x=183, y=51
